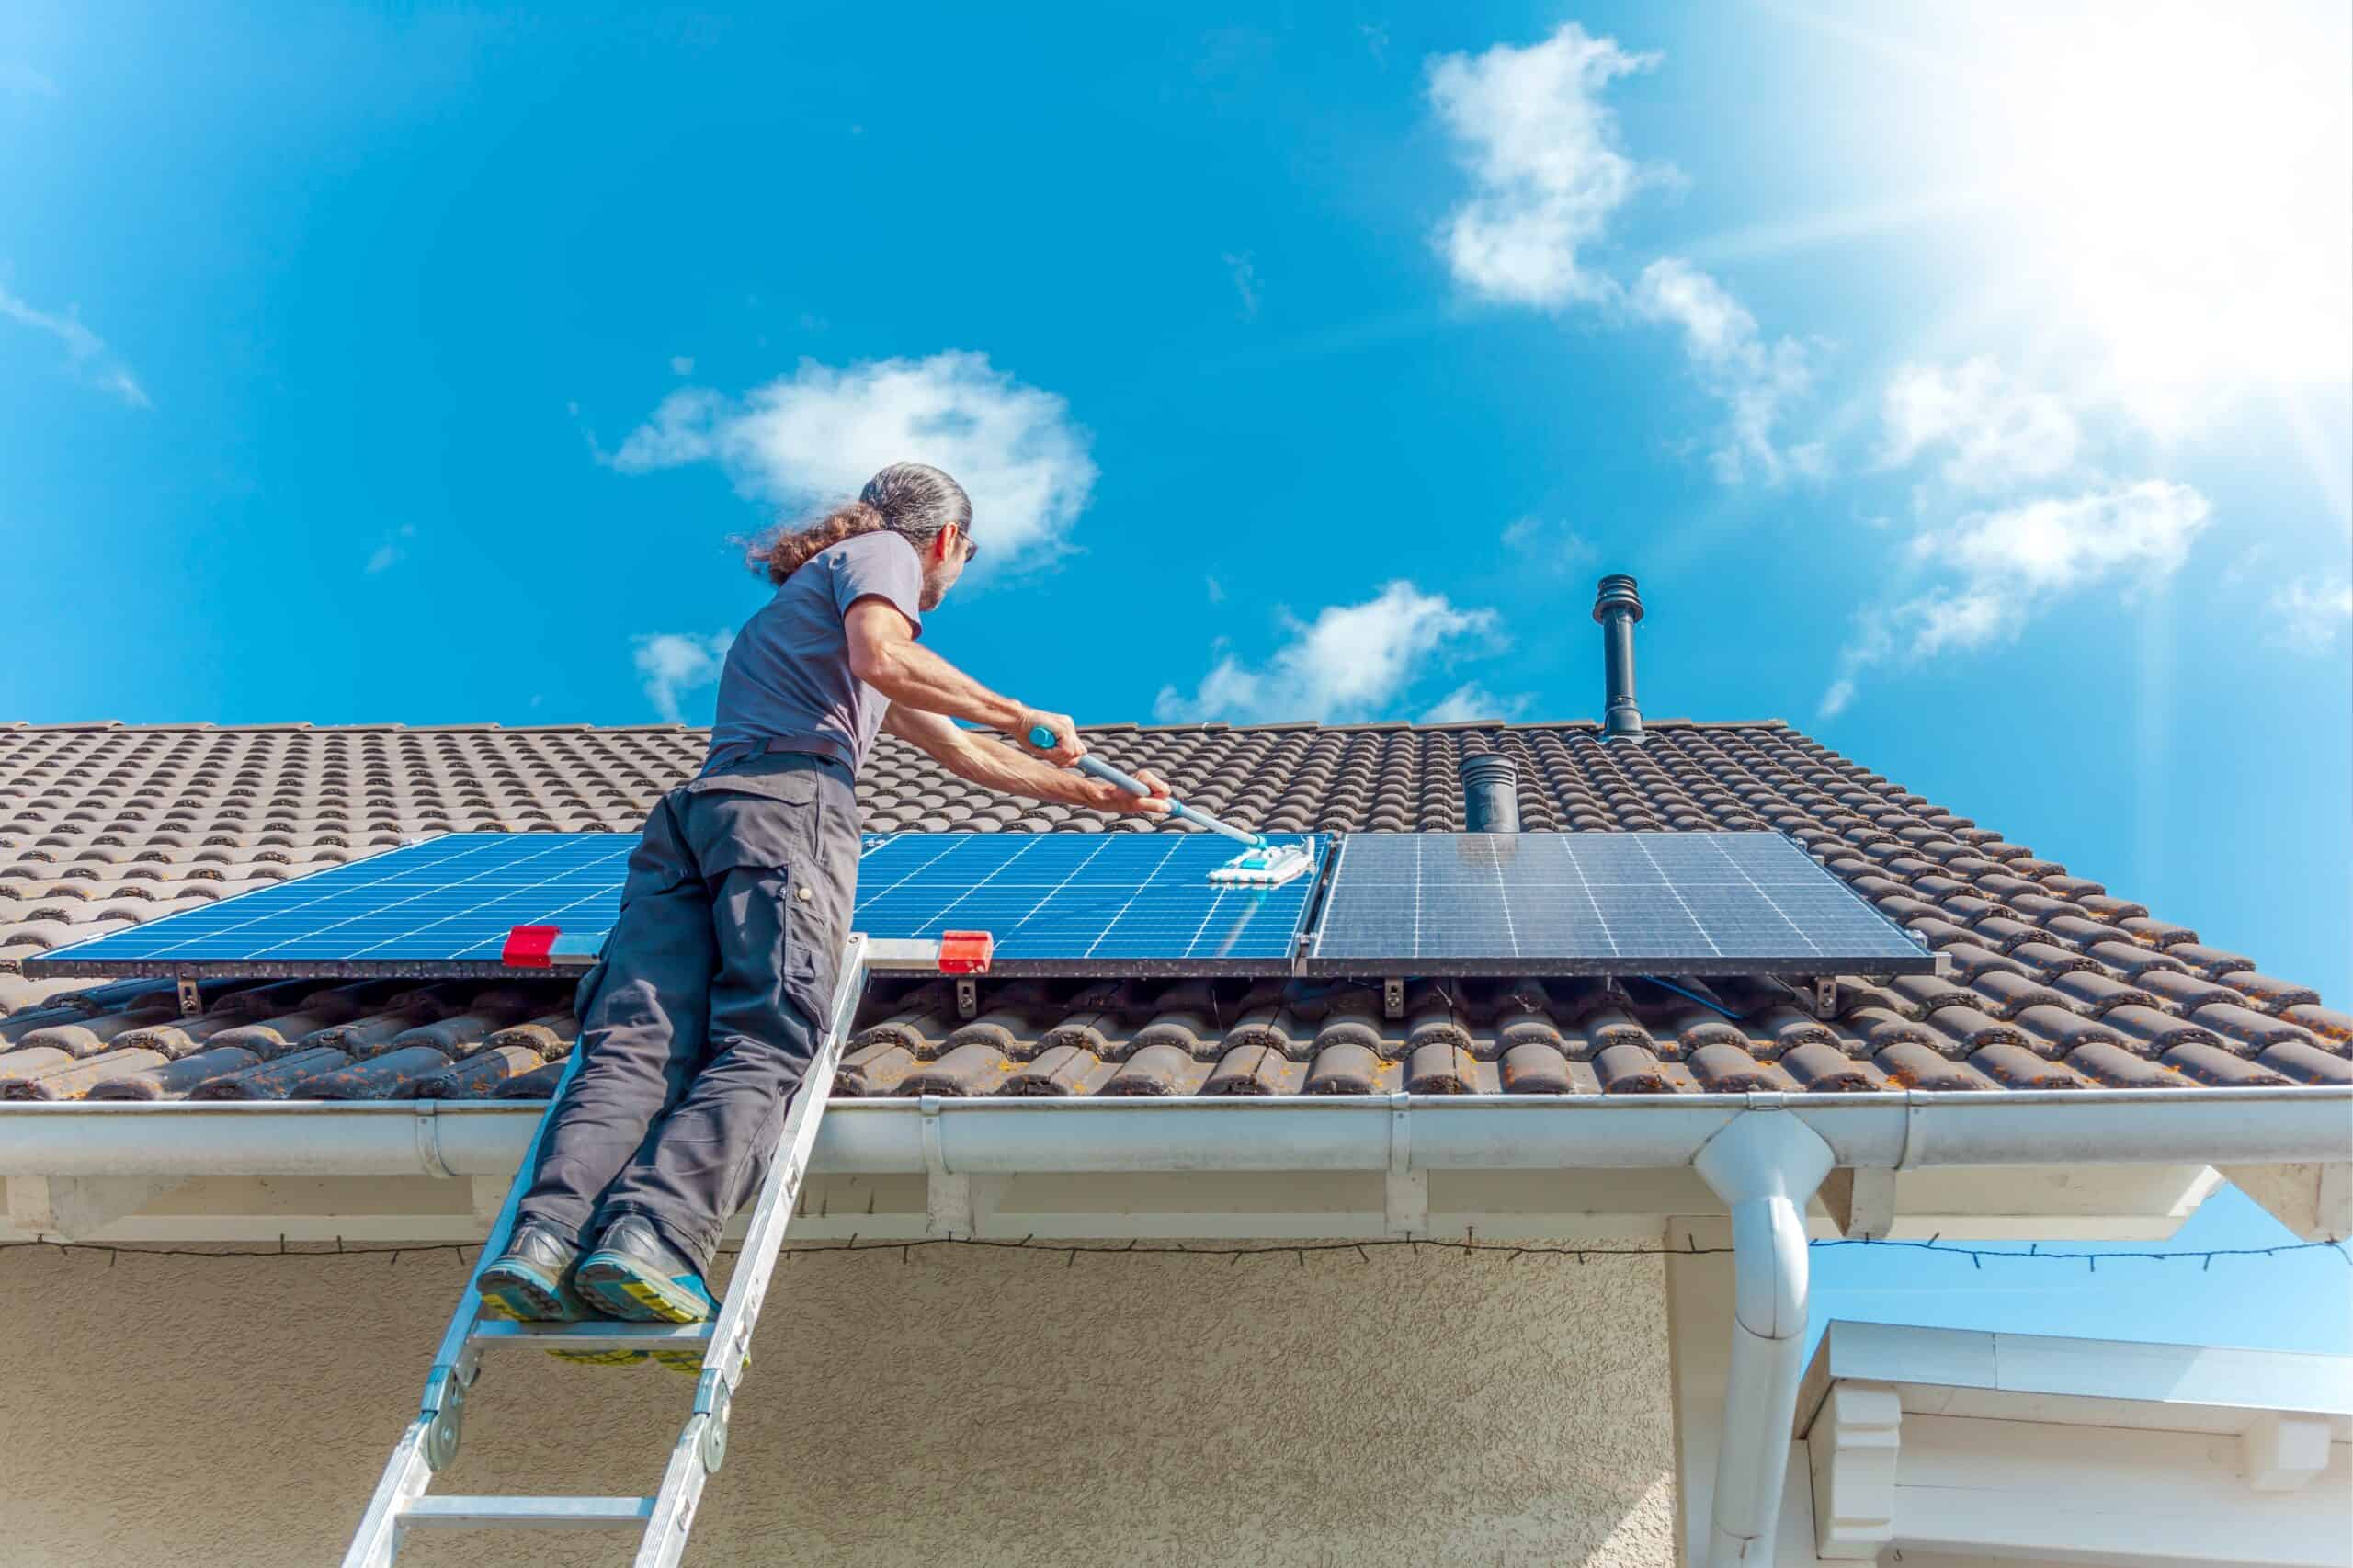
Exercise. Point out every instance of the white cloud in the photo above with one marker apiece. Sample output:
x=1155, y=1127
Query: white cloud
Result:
x=1994, y=433
x=686, y=428
x=1474, y=701
x=682, y=365
x=2051, y=546
x=1246, y=281
x=1993, y=572
x=1753, y=377
x=87, y=353
x=1560, y=546
x=1543, y=153
x=1350, y=661
x=388, y=554
x=817, y=434
x=2309, y=612
x=671, y=663
x=1217, y=591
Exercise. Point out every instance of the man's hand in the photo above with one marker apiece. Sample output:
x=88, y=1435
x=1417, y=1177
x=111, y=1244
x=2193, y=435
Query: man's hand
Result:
x=1106, y=796
x=999, y=768
x=1067, y=747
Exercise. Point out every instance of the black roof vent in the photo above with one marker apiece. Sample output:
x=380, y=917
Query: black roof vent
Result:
x=1618, y=607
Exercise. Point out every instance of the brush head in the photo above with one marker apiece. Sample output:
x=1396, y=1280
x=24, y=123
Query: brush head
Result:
x=1265, y=866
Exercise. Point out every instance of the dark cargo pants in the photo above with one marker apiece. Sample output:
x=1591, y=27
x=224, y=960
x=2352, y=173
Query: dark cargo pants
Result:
x=704, y=1011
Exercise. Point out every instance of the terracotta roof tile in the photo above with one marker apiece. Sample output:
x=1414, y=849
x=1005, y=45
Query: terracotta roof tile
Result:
x=2057, y=982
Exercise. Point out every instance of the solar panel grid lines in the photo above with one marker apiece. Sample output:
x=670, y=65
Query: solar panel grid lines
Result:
x=1095, y=904
x=1098, y=905
x=443, y=906
x=1595, y=904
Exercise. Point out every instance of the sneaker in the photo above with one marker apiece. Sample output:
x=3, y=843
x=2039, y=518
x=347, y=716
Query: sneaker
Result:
x=531, y=1281
x=635, y=1274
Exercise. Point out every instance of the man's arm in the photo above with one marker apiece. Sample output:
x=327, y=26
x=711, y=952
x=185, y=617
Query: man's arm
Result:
x=885, y=656
x=1007, y=771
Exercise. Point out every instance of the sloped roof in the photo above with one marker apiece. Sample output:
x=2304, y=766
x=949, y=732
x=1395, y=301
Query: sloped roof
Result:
x=2056, y=983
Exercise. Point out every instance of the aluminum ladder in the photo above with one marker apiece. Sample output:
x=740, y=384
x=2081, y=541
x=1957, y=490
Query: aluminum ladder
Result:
x=402, y=1504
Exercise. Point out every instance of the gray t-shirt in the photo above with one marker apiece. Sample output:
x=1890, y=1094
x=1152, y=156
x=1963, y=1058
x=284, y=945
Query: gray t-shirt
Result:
x=788, y=673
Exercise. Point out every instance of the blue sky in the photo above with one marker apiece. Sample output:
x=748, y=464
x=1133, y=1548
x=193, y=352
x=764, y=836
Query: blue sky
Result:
x=1968, y=387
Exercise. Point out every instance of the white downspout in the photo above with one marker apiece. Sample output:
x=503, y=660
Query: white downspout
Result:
x=1765, y=1166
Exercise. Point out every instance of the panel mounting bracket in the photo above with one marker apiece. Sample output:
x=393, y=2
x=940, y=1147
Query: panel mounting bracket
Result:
x=968, y=998
x=191, y=996
x=1825, y=996
x=1393, y=997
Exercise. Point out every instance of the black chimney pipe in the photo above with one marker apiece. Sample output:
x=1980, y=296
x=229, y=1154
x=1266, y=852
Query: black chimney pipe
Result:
x=1618, y=607
x=1490, y=793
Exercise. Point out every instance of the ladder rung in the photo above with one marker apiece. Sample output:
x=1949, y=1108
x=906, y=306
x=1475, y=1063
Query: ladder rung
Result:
x=592, y=1336
x=528, y=1511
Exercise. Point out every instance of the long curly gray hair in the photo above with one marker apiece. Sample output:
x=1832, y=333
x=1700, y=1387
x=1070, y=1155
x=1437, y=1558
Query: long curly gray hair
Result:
x=915, y=499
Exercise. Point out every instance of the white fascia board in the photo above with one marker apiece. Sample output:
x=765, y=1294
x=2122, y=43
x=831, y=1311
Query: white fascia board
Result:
x=2183, y=1387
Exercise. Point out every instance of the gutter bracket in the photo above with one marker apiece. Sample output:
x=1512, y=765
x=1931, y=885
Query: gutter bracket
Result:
x=1405, y=1200
x=1916, y=1131
x=947, y=1197
x=1766, y=1164
x=429, y=1141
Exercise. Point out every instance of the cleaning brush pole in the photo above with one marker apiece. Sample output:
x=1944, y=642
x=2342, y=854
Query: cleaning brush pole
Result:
x=1093, y=767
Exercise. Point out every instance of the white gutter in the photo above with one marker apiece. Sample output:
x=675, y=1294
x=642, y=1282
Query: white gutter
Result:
x=1906, y=1130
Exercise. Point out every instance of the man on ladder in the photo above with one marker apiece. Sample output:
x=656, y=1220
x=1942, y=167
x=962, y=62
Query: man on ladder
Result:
x=705, y=1009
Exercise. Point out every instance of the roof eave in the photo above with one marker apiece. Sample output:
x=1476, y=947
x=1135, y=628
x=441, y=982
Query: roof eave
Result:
x=1911, y=1130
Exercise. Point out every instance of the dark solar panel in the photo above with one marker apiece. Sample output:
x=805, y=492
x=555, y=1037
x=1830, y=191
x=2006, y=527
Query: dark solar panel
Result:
x=1597, y=904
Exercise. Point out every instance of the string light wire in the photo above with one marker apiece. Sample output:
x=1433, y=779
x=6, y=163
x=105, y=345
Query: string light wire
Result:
x=1072, y=1252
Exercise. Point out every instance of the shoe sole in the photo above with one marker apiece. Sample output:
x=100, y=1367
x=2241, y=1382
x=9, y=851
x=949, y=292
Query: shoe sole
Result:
x=519, y=1293
x=617, y=1288
x=528, y=1294
x=691, y=1361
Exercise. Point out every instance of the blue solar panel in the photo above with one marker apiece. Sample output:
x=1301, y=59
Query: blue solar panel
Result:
x=1597, y=903
x=1056, y=903
x=1078, y=904
x=444, y=905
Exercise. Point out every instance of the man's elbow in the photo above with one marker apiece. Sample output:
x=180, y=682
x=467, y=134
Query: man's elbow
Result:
x=870, y=663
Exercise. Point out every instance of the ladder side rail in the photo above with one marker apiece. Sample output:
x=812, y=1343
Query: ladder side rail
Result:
x=431, y=1440
x=702, y=1440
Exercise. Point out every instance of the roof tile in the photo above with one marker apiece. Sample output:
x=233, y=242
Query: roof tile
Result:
x=2054, y=981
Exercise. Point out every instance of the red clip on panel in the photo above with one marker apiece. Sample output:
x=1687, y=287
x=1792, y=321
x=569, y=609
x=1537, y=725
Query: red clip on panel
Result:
x=965, y=952
x=527, y=945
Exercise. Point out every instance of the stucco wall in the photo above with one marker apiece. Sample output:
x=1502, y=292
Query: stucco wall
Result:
x=974, y=1406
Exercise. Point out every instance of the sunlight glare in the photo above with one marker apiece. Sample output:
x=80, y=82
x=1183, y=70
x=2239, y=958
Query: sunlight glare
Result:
x=2180, y=180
